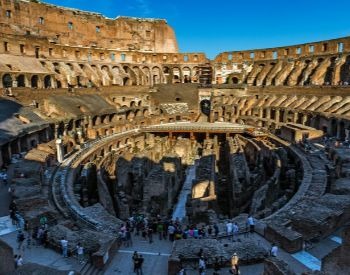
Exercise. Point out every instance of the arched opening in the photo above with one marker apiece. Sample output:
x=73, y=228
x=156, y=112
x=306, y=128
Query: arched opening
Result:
x=21, y=81
x=47, y=82
x=7, y=81
x=235, y=80
x=34, y=81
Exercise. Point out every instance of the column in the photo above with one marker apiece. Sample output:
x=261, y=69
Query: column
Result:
x=59, y=147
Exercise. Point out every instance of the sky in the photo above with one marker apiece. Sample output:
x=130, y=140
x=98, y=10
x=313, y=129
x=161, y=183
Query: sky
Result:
x=214, y=26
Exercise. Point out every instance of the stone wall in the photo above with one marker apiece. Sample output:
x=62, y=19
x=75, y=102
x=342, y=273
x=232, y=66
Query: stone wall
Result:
x=6, y=255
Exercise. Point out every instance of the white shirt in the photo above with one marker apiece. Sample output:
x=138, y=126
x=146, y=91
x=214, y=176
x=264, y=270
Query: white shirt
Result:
x=19, y=261
x=229, y=227
x=201, y=263
x=235, y=228
x=64, y=243
x=274, y=251
x=80, y=250
x=250, y=220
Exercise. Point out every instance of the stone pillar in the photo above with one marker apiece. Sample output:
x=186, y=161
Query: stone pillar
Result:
x=59, y=147
x=268, y=113
x=295, y=117
x=277, y=116
x=304, y=119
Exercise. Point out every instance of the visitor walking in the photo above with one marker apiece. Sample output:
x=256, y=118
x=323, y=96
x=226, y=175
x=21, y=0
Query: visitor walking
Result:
x=201, y=266
x=274, y=250
x=135, y=258
x=251, y=223
x=80, y=253
x=64, y=245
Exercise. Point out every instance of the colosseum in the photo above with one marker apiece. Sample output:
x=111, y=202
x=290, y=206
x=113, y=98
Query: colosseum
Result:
x=112, y=141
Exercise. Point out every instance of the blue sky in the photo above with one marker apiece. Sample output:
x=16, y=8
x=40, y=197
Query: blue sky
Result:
x=216, y=26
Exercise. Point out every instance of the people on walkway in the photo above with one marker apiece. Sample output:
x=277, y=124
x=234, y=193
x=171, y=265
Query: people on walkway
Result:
x=80, y=253
x=251, y=223
x=19, y=261
x=201, y=266
x=138, y=262
x=274, y=250
x=20, y=239
x=64, y=246
x=135, y=257
x=229, y=227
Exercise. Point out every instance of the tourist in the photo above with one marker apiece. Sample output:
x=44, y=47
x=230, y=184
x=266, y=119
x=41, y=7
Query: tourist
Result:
x=19, y=261
x=160, y=229
x=234, y=264
x=195, y=233
x=229, y=227
x=150, y=234
x=20, y=239
x=201, y=266
x=135, y=258
x=43, y=221
x=80, y=253
x=216, y=230
x=171, y=232
x=274, y=250
x=140, y=263
x=64, y=245
x=128, y=237
x=251, y=223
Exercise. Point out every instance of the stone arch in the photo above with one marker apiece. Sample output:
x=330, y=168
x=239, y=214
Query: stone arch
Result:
x=34, y=81
x=147, y=73
x=7, y=81
x=176, y=75
x=186, y=72
x=131, y=79
x=47, y=82
x=166, y=73
x=156, y=75
x=21, y=80
x=116, y=73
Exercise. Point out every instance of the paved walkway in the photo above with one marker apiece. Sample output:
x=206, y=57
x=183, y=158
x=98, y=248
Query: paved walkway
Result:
x=180, y=209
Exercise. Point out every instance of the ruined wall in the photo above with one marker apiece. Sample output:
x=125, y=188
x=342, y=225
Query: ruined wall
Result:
x=316, y=63
x=79, y=28
x=337, y=262
x=6, y=255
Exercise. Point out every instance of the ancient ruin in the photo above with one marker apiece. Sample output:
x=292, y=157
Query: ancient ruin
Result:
x=103, y=119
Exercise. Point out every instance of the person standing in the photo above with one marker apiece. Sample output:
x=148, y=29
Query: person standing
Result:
x=201, y=266
x=64, y=245
x=229, y=227
x=19, y=261
x=274, y=250
x=80, y=253
x=160, y=229
x=20, y=239
x=216, y=230
x=135, y=258
x=251, y=223
x=234, y=264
